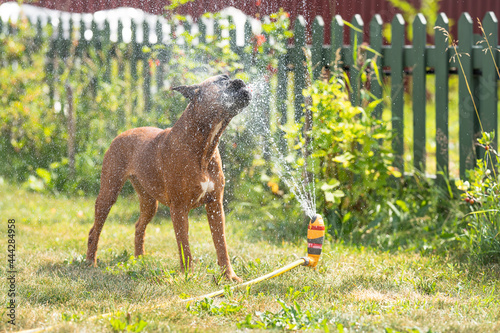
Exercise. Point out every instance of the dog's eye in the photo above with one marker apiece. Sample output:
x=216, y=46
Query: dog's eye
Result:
x=223, y=79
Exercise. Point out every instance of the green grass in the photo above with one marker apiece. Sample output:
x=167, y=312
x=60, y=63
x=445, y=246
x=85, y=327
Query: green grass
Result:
x=359, y=289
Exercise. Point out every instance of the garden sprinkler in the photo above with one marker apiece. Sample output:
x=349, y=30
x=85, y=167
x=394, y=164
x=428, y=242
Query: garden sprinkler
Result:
x=315, y=237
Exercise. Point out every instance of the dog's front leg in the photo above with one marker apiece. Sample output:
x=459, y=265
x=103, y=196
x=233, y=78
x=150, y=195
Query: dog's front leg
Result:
x=216, y=220
x=181, y=228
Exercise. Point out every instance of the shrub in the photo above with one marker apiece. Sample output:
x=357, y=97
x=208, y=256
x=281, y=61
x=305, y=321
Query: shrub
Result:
x=351, y=157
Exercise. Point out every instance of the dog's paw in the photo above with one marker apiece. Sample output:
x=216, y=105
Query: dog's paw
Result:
x=233, y=277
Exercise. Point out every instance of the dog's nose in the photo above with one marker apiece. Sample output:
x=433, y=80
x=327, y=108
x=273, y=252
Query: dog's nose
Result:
x=237, y=84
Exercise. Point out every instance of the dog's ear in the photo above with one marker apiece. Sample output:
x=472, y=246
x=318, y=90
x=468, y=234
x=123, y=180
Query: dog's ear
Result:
x=188, y=91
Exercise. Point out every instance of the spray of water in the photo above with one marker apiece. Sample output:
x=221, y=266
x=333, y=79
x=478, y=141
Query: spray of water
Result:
x=281, y=156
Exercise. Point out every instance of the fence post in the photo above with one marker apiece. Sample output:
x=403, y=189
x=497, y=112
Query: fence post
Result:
x=467, y=115
x=352, y=60
x=419, y=95
x=299, y=65
x=376, y=40
x=317, y=59
x=441, y=76
x=488, y=82
x=397, y=89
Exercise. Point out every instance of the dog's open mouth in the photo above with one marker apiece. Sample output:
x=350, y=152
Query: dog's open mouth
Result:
x=239, y=94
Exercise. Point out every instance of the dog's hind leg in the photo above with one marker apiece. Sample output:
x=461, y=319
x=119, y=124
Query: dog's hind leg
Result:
x=149, y=205
x=112, y=180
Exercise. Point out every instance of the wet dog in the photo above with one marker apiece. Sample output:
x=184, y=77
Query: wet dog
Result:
x=179, y=167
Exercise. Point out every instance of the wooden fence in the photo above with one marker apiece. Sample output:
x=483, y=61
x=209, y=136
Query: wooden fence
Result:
x=397, y=61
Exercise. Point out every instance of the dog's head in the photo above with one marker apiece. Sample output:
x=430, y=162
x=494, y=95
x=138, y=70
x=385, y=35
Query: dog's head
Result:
x=218, y=93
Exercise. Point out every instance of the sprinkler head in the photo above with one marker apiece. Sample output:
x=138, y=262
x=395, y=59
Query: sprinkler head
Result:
x=315, y=237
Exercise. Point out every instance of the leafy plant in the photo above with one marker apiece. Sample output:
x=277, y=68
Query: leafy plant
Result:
x=207, y=306
x=124, y=323
x=481, y=193
x=350, y=156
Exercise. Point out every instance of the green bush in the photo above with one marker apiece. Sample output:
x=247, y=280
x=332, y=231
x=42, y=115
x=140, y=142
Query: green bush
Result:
x=30, y=137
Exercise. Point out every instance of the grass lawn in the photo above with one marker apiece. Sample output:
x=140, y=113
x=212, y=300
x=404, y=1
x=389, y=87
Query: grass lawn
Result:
x=354, y=288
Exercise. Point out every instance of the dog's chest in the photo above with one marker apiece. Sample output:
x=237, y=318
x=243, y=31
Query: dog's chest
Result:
x=207, y=188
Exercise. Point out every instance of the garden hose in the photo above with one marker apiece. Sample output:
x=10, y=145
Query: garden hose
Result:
x=315, y=237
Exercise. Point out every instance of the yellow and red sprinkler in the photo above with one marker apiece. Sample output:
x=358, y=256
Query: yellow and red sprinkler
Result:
x=315, y=238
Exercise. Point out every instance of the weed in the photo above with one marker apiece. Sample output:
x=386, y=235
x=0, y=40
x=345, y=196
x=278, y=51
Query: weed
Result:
x=291, y=317
x=124, y=323
x=207, y=306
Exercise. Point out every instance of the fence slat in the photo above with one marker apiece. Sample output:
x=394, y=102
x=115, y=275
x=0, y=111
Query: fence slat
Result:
x=121, y=62
x=247, y=58
x=352, y=60
x=337, y=39
x=202, y=28
x=95, y=34
x=298, y=61
x=106, y=44
x=39, y=32
x=281, y=92
x=488, y=83
x=397, y=89
x=81, y=39
x=60, y=38
x=159, y=69
x=134, y=46
x=217, y=30
x=232, y=35
x=419, y=93
x=467, y=116
x=146, y=65
x=376, y=40
x=441, y=77
x=318, y=30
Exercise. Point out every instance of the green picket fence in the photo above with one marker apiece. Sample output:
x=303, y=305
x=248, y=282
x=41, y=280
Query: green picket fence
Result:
x=397, y=60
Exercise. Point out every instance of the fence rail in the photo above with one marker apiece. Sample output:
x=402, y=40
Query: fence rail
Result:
x=395, y=60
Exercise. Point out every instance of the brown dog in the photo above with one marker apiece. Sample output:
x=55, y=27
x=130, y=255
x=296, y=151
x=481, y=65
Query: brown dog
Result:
x=179, y=167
